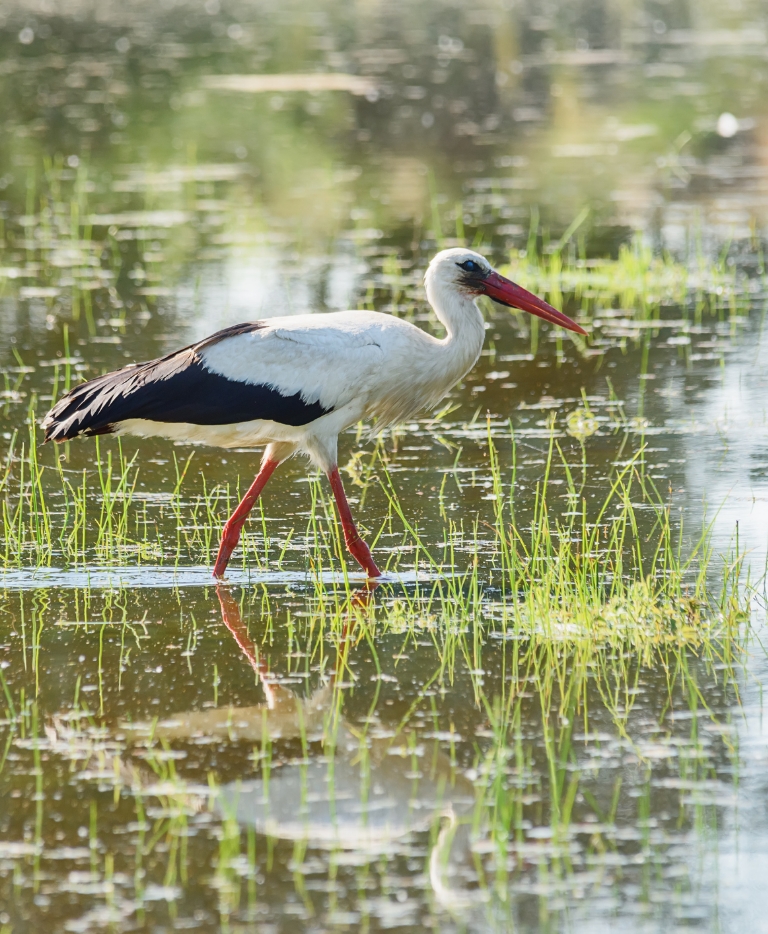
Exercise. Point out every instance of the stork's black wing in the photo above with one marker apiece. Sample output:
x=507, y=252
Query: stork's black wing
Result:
x=174, y=388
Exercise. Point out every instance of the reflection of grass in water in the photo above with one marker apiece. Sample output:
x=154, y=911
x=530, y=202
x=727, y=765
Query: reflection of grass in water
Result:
x=78, y=270
x=575, y=852
x=61, y=256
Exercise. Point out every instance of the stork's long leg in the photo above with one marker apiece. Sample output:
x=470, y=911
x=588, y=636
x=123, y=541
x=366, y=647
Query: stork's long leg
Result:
x=230, y=536
x=357, y=547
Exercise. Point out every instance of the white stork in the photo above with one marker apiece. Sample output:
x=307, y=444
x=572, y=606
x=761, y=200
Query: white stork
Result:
x=294, y=383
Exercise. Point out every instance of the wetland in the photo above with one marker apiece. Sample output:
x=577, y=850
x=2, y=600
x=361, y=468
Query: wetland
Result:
x=549, y=715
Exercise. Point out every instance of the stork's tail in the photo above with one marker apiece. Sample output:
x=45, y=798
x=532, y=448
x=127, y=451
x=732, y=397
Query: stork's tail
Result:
x=91, y=408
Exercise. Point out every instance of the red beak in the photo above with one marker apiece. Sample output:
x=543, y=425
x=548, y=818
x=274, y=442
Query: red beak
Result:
x=507, y=293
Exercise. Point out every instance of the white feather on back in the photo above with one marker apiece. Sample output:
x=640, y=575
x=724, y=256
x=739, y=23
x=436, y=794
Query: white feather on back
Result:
x=332, y=359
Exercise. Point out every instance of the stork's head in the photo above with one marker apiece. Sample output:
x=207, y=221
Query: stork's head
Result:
x=470, y=274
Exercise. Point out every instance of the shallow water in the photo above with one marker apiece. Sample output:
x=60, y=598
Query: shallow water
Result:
x=284, y=753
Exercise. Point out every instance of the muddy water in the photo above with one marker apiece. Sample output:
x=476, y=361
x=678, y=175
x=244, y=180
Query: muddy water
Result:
x=174, y=757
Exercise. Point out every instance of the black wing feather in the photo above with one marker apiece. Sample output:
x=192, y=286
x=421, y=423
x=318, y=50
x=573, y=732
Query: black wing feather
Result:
x=174, y=388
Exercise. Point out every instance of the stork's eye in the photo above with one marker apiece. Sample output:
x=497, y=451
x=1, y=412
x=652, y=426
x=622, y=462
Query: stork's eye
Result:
x=471, y=266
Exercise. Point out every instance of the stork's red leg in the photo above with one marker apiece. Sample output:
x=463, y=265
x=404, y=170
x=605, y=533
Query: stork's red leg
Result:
x=231, y=533
x=357, y=547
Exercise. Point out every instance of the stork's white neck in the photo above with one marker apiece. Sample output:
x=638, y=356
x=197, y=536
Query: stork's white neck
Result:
x=461, y=318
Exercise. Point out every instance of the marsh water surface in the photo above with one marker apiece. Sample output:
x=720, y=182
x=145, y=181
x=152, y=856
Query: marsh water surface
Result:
x=292, y=751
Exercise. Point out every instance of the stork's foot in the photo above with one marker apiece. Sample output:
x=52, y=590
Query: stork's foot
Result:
x=230, y=536
x=361, y=553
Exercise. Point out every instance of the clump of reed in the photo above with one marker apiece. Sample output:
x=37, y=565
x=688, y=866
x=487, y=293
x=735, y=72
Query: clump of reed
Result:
x=638, y=282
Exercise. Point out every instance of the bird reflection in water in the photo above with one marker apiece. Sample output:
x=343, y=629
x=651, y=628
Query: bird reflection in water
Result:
x=346, y=791
x=324, y=782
